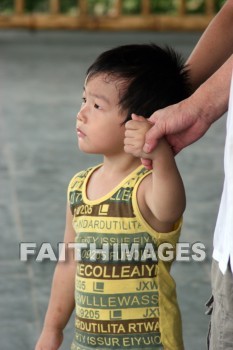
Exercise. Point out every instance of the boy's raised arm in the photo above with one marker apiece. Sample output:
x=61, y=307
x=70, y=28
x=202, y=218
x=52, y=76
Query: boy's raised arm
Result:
x=61, y=302
x=164, y=191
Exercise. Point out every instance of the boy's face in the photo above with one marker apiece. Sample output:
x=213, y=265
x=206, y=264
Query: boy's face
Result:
x=99, y=121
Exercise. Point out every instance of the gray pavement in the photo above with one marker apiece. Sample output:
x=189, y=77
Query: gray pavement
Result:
x=41, y=79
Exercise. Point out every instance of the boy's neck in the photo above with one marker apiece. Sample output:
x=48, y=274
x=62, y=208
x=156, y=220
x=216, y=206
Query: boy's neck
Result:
x=114, y=170
x=120, y=164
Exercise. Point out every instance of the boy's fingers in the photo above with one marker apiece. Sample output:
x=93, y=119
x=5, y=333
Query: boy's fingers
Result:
x=131, y=125
x=137, y=117
x=129, y=133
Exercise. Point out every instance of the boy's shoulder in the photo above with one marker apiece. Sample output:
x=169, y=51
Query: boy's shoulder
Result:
x=79, y=177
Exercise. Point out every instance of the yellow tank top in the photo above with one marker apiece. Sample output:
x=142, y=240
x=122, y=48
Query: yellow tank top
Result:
x=125, y=296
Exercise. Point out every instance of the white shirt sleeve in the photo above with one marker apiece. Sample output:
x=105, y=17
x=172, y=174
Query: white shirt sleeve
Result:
x=223, y=235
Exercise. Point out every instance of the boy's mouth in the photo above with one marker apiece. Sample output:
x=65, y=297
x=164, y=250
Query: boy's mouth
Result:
x=80, y=133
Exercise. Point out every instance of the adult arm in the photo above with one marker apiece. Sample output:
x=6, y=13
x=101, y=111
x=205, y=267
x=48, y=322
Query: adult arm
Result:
x=187, y=121
x=214, y=47
x=61, y=302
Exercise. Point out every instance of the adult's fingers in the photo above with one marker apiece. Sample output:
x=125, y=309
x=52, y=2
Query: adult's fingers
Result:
x=147, y=163
x=152, y=139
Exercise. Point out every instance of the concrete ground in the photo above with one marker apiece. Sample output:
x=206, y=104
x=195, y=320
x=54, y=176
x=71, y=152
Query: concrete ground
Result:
x=41, y=80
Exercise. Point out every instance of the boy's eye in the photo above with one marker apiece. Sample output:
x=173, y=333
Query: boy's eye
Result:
x=84, y=100
x=96, y=106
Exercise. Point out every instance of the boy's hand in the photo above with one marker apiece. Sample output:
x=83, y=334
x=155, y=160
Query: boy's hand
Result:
x=50, y=339
x=135, y=132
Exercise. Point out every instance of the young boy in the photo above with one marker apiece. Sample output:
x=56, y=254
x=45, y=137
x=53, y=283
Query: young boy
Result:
x=119, y=213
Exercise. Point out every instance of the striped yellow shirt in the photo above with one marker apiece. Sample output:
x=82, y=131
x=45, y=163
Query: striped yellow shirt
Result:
x=125, y=296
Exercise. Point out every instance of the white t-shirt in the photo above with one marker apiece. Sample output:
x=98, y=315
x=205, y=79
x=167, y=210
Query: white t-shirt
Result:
x=223, y=235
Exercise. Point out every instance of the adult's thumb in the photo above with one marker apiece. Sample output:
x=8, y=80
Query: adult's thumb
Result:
x=151, y=140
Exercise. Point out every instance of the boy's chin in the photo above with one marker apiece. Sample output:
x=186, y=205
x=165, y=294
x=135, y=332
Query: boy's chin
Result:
x=87, y=150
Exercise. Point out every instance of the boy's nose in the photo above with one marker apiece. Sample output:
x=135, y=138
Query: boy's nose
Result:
x=80, y=116
x=82, y=113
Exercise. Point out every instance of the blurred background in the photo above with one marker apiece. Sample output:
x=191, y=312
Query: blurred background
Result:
x=45, y=49
x=108, y=7
x=108, y=14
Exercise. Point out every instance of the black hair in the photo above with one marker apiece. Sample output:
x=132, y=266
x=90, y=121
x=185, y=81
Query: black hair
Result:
x=152, y=77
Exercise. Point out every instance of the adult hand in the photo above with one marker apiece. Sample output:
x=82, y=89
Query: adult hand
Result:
x=181, y=124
